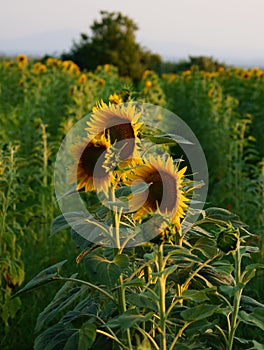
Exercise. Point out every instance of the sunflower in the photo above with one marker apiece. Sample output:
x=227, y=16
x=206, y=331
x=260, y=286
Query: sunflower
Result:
x=39, y=68
x=165, y=192
x=119, y=124
x=22, y=60
x=82, y=79
x=115, y=98
x=88, y=170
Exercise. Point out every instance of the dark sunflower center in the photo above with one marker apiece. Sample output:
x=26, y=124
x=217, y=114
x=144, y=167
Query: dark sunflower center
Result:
x=123, y=133
x=162, y=191
x=91, y=158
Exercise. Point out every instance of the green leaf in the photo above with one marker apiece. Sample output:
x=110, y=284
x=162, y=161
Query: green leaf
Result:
x=128, y=319
x=224, y=215
x=254, y=318
x=63, y=298
x=82, y=339
x=169, y=138
x=214, y=277
x=53, y=338
x=136, y=282
x=125, y=191
x=228, y=290
x=44, y=277
x=195, y=295
x=197, y=327
x=142, y=300
x=248, y=275
x=199, y=312
x=74, y=219
x=223, y=267
x=166, y=272
x=181, y=254
x=254, y=266
x=105, y=271
x=256, y=346
x=122, y=261
x=59, y=223
x=206, y=246
x=80, y=241
x=87, y=335
x=249, y=304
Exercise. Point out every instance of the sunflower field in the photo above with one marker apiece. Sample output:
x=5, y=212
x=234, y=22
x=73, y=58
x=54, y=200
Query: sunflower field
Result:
x=73, y=281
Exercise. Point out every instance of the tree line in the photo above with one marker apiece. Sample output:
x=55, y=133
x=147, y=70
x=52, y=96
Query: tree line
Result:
x=113, y=40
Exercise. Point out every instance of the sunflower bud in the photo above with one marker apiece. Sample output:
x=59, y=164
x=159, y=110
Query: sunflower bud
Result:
x=227, y=239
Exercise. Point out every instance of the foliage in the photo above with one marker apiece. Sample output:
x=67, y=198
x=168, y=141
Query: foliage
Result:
x=204, y=63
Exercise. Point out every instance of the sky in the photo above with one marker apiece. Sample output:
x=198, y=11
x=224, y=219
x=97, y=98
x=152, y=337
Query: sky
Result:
x=229, y=30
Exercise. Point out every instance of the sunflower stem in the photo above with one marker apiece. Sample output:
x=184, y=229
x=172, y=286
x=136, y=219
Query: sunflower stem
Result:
x=121, y=295
x=44, y=175
x=237, y=298
x=162, y=298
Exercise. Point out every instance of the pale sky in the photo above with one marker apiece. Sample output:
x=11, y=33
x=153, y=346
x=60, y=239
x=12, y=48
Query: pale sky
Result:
x=230, y=30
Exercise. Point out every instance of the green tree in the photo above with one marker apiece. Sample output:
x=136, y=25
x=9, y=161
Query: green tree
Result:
x=113, y=41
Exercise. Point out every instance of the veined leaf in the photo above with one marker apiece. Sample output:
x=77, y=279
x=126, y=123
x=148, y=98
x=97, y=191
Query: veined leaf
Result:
x=106, y=271
x=82, y=339
x=221, y=214
x=64, y=297
x=65, y=338
x=206, y=246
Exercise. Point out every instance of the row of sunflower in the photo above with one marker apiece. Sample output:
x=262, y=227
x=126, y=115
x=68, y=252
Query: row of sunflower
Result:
x=225, y=108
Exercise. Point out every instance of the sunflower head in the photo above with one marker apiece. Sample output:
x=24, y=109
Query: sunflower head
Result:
x=88, y=169
x=119, y=124
x=164, y=193
x=22, y=61
x=39, y=68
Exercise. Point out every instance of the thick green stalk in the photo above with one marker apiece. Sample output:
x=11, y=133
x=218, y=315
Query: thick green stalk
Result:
x=121, y=295
x=236, y=303
x=162, y=299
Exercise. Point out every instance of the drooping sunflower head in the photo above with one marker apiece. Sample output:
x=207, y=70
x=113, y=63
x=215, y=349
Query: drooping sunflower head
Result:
x=165, y=191
x=88, y=169
x=119, y=124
